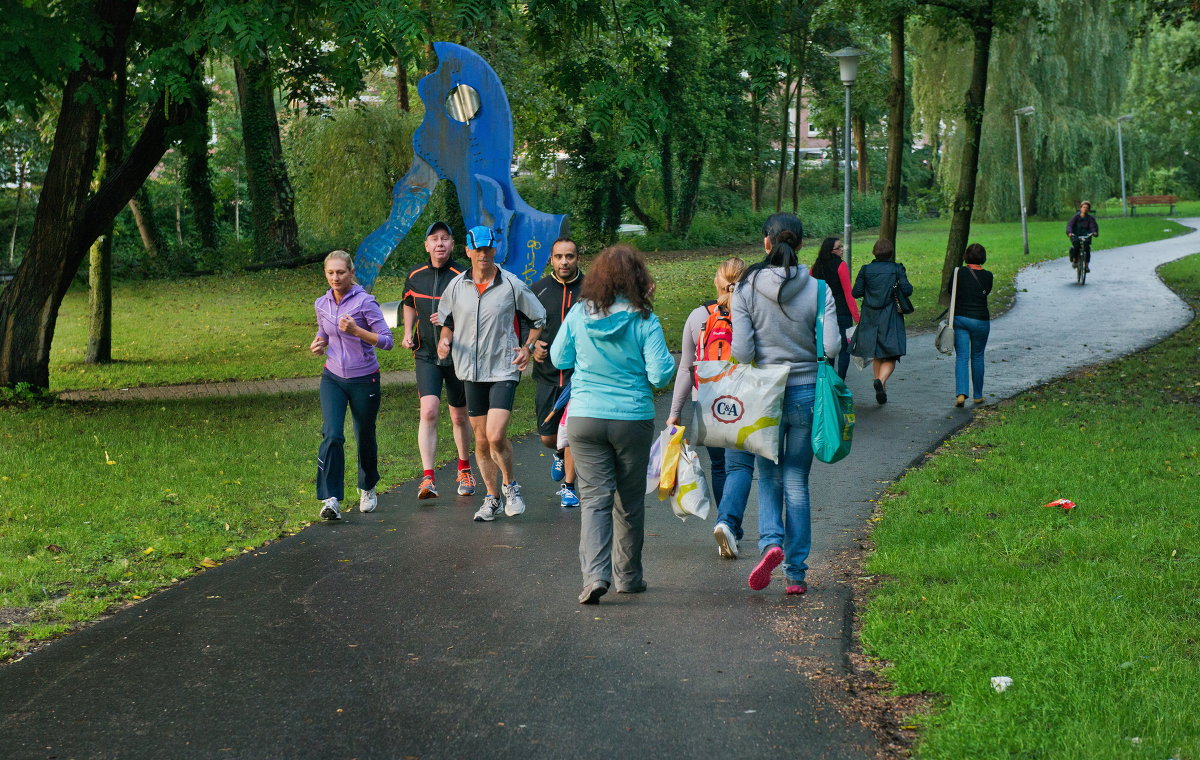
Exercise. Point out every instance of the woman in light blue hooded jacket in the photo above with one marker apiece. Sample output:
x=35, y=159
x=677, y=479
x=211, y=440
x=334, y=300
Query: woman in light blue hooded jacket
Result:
x=615, y=344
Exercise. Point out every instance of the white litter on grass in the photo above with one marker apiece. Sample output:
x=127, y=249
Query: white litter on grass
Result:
x=1000, y=683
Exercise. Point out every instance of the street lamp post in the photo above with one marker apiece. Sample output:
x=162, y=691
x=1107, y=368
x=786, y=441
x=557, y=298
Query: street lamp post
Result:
x=848, y=62
x=1121, y=158
x=1017, y=114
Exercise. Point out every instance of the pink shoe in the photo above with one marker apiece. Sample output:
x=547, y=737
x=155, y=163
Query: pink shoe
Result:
x=795, y=589
x=760, y=576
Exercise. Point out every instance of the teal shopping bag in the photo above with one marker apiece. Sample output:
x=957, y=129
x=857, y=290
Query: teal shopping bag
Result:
x=833, y=406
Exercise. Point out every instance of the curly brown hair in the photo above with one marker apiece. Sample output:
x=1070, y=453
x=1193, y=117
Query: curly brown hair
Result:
x=619, y=270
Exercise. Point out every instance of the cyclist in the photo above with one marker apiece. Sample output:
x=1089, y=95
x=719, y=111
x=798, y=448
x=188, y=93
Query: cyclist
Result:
x=422, y=292
x=1083, y=223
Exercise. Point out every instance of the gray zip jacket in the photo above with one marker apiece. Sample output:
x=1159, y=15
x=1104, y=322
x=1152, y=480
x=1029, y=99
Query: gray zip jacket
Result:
x=774, y=327
x=485, y=332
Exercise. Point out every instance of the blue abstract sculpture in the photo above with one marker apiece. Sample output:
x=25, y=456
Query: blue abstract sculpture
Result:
x=467, y=138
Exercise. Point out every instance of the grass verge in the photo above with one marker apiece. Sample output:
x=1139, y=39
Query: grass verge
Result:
x=101, y=505
x=1093, y=612
x=258, y=326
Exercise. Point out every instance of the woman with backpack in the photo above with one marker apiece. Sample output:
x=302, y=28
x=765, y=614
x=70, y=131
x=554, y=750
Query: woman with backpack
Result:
x=774, y=311
x=708, y=335
x=830, y=268
x=880, y=335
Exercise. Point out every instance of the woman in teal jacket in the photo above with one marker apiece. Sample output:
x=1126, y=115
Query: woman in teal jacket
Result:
x=615, y=344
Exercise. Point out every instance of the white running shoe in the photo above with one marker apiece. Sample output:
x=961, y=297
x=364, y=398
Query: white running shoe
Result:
x=329, y=509
x=367, y=500
x=513, y=503
x=727, y=545
x=489, y=510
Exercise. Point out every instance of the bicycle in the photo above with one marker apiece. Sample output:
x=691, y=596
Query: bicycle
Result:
x=1081, y=250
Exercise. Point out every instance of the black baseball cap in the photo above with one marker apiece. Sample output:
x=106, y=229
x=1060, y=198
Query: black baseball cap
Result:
x=430, y=229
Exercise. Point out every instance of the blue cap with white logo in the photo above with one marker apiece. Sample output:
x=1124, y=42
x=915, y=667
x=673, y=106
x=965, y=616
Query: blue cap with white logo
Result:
x=481, y=237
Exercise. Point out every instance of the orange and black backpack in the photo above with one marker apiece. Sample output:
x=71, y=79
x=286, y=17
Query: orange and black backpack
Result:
x=716, y=336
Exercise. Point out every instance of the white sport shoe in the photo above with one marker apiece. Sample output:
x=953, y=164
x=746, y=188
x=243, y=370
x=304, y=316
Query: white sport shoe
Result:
x=329, y=509
x=513, y=503
x=489, y=510
x=727, y=545
x=367, y=500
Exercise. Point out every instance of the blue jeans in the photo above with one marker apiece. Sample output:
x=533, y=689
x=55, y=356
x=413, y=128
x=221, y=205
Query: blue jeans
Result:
x=716, y=460
x=970, y=339
x=783, y=506
x=731, y=504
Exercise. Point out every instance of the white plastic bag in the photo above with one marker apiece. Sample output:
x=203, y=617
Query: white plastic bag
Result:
x=738, y=406
x=562, y=429
x=654, y=466
x=690, y=496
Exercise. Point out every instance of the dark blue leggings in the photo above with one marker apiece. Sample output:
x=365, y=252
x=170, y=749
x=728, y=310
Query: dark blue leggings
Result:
x=362, y=395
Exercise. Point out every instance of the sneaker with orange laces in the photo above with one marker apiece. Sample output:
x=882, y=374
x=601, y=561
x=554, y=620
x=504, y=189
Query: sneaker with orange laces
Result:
x=427, y=489
x=466, y=483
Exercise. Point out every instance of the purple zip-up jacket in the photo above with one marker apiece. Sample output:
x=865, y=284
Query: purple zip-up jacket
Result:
x=347, y=356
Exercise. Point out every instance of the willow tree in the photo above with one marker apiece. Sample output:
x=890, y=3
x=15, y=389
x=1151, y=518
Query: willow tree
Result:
x=975, y=22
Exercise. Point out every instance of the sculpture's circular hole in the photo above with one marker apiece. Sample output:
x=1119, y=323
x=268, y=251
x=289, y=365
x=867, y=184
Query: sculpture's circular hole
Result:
x=462, y=103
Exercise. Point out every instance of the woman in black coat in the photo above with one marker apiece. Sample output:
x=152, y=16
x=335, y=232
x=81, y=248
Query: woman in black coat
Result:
x=880, y=334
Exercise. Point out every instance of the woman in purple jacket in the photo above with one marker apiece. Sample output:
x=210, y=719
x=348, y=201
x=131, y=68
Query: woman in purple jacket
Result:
x=350, y=326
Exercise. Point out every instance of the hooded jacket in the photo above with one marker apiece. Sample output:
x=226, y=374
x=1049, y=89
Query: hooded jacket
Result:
x=485, y=325
x=619, y=359
x=347, y=356
x=774, y=326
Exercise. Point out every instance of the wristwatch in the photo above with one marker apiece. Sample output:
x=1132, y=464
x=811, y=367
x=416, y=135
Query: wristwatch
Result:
x=529, y=347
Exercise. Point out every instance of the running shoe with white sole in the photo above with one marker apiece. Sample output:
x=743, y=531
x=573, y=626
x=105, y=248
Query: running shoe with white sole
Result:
x=367, y=500
x=567, y=497
x=513, y=503
x=466, y=483
x=727, y=544
x=558, y=468
x=427, y=489
x=329, y=509
x=489, y=510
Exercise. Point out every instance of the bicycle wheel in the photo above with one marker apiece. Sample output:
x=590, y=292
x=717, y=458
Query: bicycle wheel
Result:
x=1080, y=270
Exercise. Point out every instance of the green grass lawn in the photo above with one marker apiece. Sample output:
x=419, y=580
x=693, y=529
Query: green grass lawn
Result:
x=102, y=504
x=1093, y=612
x=258, y=326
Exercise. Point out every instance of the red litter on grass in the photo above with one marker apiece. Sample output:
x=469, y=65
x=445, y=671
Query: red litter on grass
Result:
x=1064, y=503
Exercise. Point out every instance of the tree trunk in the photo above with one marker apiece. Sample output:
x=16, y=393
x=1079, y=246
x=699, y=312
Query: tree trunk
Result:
x=143, y=214
x=755, y=158
x=801, y=64
x=689, y=198
x=99, y=347
x=628, y=188
x=196, y=174
x=668, y=180
x=272, y=203
x=22, y=175
x=897, y=149
x=784, y=123
x=402, y=85
x=964, y=199
x=860, y=150
x=29, y=305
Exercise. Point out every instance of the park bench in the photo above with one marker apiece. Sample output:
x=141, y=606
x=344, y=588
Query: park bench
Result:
x=1151, y=200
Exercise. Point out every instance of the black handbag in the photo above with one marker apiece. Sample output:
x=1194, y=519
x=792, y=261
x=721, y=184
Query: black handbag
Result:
x=903, y=304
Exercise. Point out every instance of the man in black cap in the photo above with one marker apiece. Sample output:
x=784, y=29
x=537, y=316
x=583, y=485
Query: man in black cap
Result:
x=422, y=292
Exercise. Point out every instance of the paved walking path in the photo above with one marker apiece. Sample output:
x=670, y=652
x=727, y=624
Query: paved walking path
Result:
x=414, y=632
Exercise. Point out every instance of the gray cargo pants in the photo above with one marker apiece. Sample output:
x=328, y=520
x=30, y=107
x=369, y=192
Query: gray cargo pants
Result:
x=610, y=462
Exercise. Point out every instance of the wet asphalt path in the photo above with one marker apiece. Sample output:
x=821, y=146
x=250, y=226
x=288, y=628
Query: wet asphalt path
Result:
x=414, y=632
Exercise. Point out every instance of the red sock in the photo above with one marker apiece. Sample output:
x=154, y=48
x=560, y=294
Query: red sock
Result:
x=429, y=474
x=464, y=464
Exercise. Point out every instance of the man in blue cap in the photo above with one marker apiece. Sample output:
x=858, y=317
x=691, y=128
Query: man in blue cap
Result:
x=480, y=315
x=422, y=291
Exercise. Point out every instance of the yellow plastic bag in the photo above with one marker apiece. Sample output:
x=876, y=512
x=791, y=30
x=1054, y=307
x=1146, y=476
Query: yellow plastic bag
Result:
x=670, y=463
